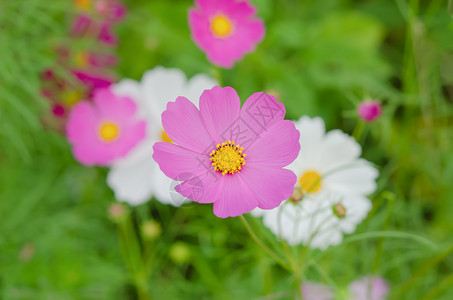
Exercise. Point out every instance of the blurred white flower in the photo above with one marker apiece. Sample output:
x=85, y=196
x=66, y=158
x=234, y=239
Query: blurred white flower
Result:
x=334, y=181
x=136, y=178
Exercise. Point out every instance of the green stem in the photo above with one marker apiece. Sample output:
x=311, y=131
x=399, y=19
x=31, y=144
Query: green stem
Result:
x=218, y=74
x=357, y=134
x=262, y=245
x=133, y=258
x=295, y=269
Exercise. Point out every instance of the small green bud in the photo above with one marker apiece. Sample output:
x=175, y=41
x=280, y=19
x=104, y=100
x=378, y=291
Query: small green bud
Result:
x=180, y=253
x=150, y=230
x=339, y=210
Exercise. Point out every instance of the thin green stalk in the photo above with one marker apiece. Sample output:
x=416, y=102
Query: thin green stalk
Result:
x=357, y=134
x=132, y=255
x=423, y=270
x=390, y=197
x=438, y=289
x=262, y=245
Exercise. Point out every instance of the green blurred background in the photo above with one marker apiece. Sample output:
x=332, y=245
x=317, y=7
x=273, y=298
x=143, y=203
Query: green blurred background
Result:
x=322, y=58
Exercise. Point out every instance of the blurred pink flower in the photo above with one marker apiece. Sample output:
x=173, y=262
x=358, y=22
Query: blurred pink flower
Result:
x=369, y=110
x=96, y=19
x=369, y=288
x=229, y=156
x=316, y=291
x=366, y=288
x=225, y=29
x=105, y=130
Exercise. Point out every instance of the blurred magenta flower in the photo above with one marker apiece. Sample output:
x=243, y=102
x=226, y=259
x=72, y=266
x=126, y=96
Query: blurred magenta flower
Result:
x=225, y=29
x=96, y=19
x=369, y=110
x=87, y=69
x=229, y=156
x=105, y=130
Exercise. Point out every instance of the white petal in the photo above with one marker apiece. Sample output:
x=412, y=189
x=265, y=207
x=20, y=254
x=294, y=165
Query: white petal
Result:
x=312, y=131
x=358, y=177
x=127, y=88
x=164, y=189
x=159, y=86
x=132, y=182
x=196, y=86
x=337, y=149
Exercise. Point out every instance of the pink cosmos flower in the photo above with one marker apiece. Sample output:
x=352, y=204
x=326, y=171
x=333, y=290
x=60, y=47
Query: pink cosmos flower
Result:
x=225, y=29
x=229, y=156
x=105, y=130
x=369, y=110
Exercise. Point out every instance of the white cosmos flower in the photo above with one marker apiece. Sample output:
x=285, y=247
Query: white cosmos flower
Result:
x=331, y=177
x=136, y=177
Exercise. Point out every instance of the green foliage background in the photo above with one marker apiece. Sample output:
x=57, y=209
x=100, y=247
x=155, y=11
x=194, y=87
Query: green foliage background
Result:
x=322, y=57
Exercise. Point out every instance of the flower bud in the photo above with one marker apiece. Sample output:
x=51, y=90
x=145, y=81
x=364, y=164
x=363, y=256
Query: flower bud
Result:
x=297, y=195
x=369, y=110
x=339, y=210
x=179, y=253
x=150, y=230
x=117, y=211
x=27, y=252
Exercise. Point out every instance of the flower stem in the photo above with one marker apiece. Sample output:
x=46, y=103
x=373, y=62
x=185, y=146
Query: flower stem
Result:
x=357, y=134
x=132, y=256
x=260, y=243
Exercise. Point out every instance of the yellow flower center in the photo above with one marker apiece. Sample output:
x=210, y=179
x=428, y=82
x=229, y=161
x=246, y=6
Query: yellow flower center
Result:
x=71, y=97
x=310, y=182
x=81, y=59
x=228, y=158
x=109, y=132
x=84, y=4
x=165, y=138
x=221, y=26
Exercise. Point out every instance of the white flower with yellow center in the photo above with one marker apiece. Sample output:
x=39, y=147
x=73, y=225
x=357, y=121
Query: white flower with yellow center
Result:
x=137, y=177
x=329, y=199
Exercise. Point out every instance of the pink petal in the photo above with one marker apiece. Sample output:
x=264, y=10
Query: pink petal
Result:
x=210, y=6
x=270, y=185
x=93, y=81
x=240, y=10
x=81, y=131
x=179, y=163
x=235, y=198
x=278, y=146
x=369, y=288
x=202, y=189
x=82, y=123
x=316, y=291
x=183, y=124
x=258, y=113
x=225, y=51
x=112, y=106
x=219, y=108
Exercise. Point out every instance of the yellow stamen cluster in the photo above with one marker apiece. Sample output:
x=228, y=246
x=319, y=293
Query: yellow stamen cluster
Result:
x=165, y=138
x=108, y=132
x=310, y=182
x=221, y=26
x=228, y=158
